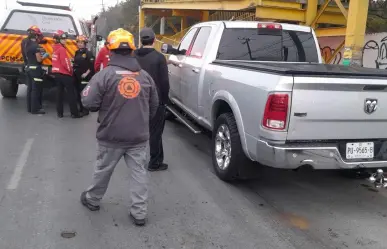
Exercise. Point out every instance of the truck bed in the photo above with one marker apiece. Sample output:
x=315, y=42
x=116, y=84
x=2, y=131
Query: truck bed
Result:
x=306, y=69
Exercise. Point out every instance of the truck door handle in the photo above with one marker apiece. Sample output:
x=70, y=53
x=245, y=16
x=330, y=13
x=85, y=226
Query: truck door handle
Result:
x=195, y=70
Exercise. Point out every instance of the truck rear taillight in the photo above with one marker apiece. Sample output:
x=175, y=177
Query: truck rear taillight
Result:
x=276, y=111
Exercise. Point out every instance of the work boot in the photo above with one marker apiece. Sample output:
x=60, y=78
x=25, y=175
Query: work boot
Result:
x=60, y=115
x=87, y=204
x=39, y=112
x=76, y=116
x=138, y=222
x=158, y=167
x=84, y=113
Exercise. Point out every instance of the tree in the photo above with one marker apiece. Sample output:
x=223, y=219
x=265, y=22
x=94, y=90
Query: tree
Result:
x=123, y=15
x=377, y=16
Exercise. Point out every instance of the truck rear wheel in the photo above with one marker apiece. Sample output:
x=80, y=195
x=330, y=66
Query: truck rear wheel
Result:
x=9, y=88
x=227, y=152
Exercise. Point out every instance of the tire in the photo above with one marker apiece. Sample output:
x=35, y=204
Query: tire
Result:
x=238, y=158
x=9, y=88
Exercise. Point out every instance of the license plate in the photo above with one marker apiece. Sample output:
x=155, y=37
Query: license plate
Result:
x=360, y=150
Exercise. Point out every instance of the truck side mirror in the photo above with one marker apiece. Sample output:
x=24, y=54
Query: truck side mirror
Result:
x=165, y=48
x=168, y=49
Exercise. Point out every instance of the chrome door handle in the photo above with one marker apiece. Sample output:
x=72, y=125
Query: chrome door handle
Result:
x=195, y=70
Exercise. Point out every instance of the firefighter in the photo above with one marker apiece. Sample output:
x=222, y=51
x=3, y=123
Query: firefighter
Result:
x=83, y=69
x=103, y=58
x=126, y=98
x=63, y=73
x=33, y=57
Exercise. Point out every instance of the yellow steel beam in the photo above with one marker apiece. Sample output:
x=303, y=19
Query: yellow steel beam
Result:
x=280, y=13
x=324, y=32
x=200, y=4
x=320, y=12
x=157, y=12
x=337, y=50
x=311, y=11
x=354, y=40
x=197, y=14
x=297, y=15
x=342, y=8
x=281, y=4
x=205, y=16
x=170, y=24
x=184, y=23
x=141, y=20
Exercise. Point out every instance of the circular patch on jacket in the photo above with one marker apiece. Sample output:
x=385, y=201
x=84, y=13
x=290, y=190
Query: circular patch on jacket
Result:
x=129, y=87
x=86, y=91
x=84, y=55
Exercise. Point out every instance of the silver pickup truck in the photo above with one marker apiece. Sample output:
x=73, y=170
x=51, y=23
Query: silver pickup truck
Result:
x=263, y=91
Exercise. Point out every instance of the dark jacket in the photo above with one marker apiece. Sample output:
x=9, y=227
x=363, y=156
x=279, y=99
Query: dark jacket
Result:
x=126, y=98
x=156, y=65
x=83, y=61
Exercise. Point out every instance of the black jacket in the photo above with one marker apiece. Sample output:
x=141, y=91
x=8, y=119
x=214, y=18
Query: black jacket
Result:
x=83, y=61
x=155, y=64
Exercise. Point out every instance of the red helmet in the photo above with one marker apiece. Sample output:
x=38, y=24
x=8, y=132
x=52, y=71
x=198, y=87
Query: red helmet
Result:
x=60, y=34
x=34, y=32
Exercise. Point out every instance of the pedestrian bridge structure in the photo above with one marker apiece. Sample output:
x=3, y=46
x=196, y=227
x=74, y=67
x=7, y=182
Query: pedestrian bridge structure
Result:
x=328, y=17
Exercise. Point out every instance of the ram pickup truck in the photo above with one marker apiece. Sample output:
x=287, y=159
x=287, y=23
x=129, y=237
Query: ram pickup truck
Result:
x=263, y=91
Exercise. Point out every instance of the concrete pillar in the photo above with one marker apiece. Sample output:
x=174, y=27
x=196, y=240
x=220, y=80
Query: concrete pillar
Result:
x=162, y=26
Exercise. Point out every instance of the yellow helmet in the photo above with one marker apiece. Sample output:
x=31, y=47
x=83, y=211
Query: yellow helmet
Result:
x=120, y=39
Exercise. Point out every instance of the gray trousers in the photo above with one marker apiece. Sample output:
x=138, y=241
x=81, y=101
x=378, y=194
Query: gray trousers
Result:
x=136, y=159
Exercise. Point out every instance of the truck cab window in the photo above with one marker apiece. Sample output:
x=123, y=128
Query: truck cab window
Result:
x=187, y=40
x=19, y=21
x=201, y=42
x=247, y=44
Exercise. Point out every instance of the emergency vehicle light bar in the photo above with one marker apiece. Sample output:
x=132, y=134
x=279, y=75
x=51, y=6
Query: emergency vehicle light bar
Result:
x=29, y=4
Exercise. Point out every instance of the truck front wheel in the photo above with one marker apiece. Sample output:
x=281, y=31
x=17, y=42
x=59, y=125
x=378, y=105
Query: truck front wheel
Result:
x=227, y=152
x=9, y=88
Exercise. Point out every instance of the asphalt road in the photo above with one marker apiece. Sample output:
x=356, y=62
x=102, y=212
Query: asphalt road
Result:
x=45, y=164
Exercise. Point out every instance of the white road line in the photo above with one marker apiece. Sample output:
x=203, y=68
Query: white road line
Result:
x=21, y=162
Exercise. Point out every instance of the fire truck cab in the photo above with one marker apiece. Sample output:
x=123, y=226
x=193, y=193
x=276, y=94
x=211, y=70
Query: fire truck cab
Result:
x=13, y=29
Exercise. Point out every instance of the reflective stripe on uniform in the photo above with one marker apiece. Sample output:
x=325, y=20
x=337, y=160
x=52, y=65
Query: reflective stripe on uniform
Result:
x=84, y=82
x=32, y=67
x=37, y=79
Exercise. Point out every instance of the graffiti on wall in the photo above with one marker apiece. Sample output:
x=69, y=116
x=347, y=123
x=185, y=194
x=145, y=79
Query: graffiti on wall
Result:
x=374, y=50
x=327, y=52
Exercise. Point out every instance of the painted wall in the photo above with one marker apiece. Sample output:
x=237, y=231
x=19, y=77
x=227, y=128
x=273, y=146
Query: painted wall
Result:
x=374, y=50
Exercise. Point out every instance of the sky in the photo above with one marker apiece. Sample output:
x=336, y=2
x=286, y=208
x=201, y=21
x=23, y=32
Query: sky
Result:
x=83, y=8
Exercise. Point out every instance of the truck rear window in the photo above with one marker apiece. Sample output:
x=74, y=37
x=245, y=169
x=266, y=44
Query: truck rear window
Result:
x=20, y=21
x=247, y=44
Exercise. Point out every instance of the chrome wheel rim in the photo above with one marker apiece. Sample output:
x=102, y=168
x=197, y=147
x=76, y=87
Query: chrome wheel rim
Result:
x=223, y=147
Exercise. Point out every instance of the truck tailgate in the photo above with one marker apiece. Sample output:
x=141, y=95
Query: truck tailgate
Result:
x=331, y=108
